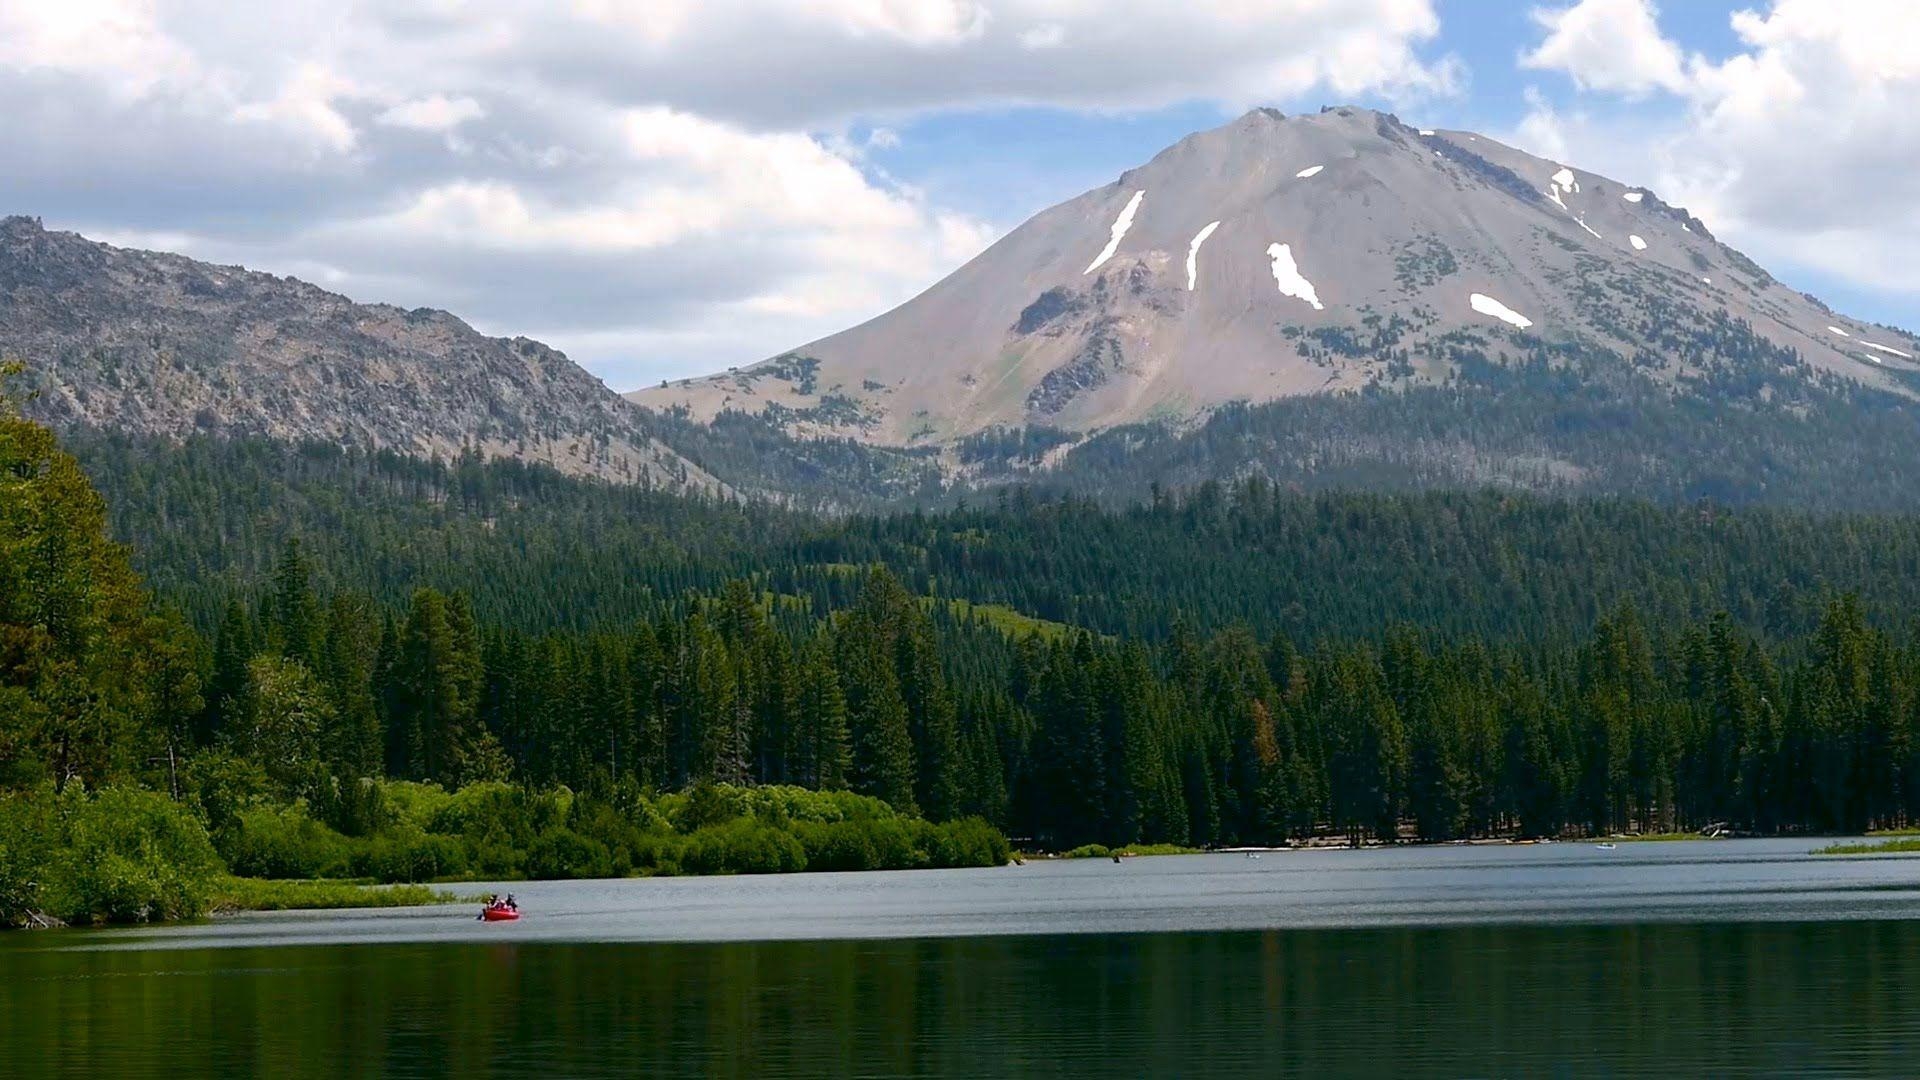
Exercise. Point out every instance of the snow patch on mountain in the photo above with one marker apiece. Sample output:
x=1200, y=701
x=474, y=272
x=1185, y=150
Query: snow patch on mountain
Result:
x=1287, y=275
x=1120, y=226
x=1193, y=254
x=1487, y=305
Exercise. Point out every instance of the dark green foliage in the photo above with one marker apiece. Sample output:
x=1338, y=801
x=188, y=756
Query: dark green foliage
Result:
x=117, y=855
x=493, y=831
x=92, y=681
x=1235, y=665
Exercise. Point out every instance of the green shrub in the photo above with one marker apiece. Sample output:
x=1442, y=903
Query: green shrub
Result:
x=223, y=786
x=968, y=842
x=29, y=833
x=283, y=842
x=742, y=847
x=253, y=894
x=840, y=845
x=563, y=853
x=705, y=804
x=128, y=855
x=895, y=845
x=407, y=853
x=352, y=806
x=411, y=801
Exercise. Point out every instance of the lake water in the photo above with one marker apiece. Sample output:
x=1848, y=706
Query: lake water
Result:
x=1673, y=959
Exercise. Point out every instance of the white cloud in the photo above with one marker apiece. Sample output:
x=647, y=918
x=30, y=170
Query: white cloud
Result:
x=1043, y=36
x=435, y=112
x=1611, y=45
x=1799, y=146
x=305, y=106
x=117, y=43
x=1543, y=133
x=684, y=176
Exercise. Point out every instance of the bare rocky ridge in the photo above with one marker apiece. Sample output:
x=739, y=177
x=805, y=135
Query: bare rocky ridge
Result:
x=1277, y=257
x=159, y=344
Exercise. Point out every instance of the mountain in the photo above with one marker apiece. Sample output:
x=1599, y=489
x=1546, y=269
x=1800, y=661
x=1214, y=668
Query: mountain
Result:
x=1319, y=258
x=156, y=344
x=1334, y=300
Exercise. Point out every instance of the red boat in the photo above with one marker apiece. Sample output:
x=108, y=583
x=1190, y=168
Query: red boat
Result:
x=499, y=913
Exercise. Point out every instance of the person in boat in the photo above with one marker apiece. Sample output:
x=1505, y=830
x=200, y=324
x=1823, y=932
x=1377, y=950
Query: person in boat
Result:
x=509, y=903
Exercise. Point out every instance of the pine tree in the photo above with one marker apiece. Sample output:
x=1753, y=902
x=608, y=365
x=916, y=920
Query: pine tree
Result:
x=823, y=757
x=233, y=648
x=352, y=649
x=295, y=612
x=877, y=721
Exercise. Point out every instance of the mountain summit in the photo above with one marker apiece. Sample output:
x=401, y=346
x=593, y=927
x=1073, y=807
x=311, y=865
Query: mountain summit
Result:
x=1277, y=257
x=151, y=343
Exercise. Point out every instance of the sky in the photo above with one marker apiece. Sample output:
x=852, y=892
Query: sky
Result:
x=664, y=188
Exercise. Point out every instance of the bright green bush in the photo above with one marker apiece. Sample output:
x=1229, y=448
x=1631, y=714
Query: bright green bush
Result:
x=409, y=800
x=839, y=845
x=223, y=786
x=126, y=855
x=968, y=842
x=254, y=894
x=563, y=853
x=283, y=842
x=408, y=853
x=742, y=847
x=29, y=832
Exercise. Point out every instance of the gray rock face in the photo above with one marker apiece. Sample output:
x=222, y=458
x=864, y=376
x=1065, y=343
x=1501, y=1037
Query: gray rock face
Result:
x=1281, y=256
x=159, y=344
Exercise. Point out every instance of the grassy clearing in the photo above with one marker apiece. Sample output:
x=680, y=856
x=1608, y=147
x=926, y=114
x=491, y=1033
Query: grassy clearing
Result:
x=1102, y=851
x=261, y=894
x=1007, y=620
x=1886, y=847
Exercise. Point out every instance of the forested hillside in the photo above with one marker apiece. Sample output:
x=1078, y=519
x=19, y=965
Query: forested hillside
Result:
x=209, y=519
x=1569, y=421
x=608, y=676
x=138, y=763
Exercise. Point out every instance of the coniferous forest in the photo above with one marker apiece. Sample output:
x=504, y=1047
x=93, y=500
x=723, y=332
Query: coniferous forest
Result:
x=310, y=662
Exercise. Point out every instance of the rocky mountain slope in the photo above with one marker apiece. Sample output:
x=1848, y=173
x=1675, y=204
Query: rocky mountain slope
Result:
x=158, y=344
x=1284, y=257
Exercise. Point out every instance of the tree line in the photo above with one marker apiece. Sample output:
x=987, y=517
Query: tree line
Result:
x=209, y=520
x=1067, y=737
x=1216, y=731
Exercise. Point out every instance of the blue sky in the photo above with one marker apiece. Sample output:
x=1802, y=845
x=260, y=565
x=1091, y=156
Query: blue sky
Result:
x=667, y=187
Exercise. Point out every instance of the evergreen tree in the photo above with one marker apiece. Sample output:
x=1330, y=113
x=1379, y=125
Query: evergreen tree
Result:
x=296, y=624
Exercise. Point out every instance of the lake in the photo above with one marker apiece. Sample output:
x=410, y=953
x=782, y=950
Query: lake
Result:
x=1722, y=958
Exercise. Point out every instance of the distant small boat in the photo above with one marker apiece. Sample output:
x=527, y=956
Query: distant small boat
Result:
x=1604, y=847
x=499, y=913
x=1253, y=854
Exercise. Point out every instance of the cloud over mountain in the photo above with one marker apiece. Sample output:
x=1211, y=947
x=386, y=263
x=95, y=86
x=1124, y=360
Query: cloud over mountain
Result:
x=1799, y=142
x=659, y=185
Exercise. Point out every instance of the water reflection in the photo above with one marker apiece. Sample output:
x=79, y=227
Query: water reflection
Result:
x=1672, y=999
